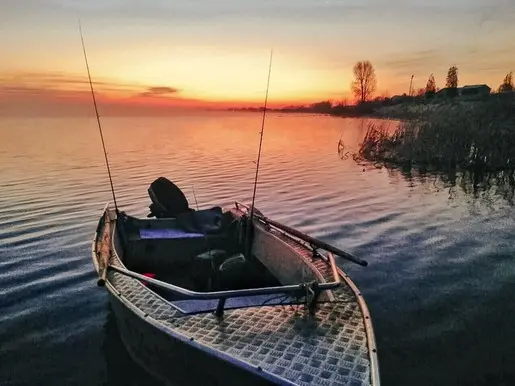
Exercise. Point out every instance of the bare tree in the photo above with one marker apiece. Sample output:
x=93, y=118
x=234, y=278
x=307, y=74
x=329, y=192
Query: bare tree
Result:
x=431, y=86
x=507, y=83
x=365, y=82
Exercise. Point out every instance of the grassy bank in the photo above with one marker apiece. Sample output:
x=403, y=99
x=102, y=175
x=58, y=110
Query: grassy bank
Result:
x=453, y=136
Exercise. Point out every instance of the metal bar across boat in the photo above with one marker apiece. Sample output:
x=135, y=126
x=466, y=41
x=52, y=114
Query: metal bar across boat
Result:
x=307, y=238
x=233, y=293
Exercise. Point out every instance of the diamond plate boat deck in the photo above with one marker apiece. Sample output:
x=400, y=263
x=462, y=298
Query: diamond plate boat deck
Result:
x=269, y=344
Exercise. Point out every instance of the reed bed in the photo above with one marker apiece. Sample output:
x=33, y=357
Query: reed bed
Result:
x=475, y=136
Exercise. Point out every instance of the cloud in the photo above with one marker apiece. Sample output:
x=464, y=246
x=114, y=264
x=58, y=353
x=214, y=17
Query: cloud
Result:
x=62, y=81
x=161, y=91
x=477, y=61
x=404, y=63
x=59, y=94
x=63, y=85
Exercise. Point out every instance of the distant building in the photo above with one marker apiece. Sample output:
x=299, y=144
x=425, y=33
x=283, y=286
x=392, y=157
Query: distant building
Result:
x=447, y=92
x=476, y=90
x=472, y=90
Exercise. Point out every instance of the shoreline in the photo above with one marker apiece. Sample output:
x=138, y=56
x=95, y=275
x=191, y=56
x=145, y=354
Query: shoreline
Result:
x=416, y=108
x=474, y=135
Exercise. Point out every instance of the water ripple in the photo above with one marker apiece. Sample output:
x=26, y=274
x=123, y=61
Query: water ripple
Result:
x=440, y=275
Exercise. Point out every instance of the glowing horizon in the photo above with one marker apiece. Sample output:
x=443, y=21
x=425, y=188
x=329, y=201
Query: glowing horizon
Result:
x=175, y=54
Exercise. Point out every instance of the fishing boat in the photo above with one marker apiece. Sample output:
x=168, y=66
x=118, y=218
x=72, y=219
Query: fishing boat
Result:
x=228, y=296
x=185, y=294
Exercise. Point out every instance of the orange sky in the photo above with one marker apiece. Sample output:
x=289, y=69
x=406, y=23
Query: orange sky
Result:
x=148, y=56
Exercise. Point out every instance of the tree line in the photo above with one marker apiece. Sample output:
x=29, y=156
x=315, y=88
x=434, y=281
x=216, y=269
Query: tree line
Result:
x=365, y=82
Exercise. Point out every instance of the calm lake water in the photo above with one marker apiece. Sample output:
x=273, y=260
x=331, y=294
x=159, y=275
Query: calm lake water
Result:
x=440, y=279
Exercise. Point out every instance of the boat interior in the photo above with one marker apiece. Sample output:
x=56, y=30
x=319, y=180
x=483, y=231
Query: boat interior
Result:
x=173, y=251
x=203, y=251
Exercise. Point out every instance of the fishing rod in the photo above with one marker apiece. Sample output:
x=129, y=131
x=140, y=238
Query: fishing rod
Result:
x=194, y=196
x=251, y=214
x=98, y=117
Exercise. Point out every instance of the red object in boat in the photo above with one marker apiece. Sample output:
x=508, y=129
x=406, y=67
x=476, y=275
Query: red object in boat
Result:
x=148, y=274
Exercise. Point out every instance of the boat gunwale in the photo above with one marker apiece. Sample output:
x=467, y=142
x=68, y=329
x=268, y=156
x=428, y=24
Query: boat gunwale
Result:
x=367, y=320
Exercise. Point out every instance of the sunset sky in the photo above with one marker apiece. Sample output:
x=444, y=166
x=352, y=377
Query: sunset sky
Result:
x=153, y=54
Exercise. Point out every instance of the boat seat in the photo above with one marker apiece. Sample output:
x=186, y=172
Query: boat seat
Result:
x=216, y=266
x=232, y=263
x=167, y=233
